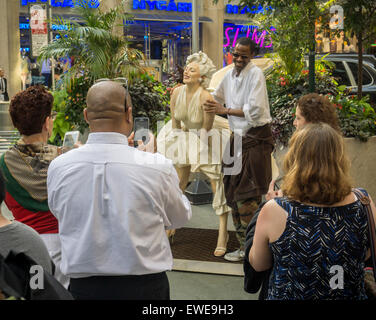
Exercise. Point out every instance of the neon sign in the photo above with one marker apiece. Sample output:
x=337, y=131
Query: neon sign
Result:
x=236, y=9
x=162, y=5
x=66, y=3
x=256, y=36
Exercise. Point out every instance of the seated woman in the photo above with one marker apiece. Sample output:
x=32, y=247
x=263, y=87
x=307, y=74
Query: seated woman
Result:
x=185, y=139
x=25, y=166
x=314, y=108
x=318, y=224
x=311, y=108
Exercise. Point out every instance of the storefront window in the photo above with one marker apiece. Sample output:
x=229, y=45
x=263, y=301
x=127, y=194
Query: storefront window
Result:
x=167, y=44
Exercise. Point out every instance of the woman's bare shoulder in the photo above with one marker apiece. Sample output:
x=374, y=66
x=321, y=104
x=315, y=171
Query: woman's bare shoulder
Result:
x=177, y=89
x=271, y=209
x=205, y=95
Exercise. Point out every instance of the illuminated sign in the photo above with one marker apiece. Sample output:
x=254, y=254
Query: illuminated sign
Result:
x=162, y=5
x=65, y=3
x=60, y=27
x=252, y=32
x=235, y=9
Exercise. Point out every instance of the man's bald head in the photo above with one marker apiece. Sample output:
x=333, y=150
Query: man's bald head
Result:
x=106, y=105
x=105, y=100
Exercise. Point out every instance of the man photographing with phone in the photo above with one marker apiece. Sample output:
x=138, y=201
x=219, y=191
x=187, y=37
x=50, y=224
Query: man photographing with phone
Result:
x=113, y=210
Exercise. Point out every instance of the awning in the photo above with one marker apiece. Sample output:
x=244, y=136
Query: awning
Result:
x=238, y=22
x=164, y=17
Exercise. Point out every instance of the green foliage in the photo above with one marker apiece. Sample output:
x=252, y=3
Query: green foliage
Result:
x=69, y=104
x=150, y=98
x=61, y=125
x=284, y=92
x=76, y=102
x=360, y=18
x=357, y=117
x=99, y=50
x=96, y=43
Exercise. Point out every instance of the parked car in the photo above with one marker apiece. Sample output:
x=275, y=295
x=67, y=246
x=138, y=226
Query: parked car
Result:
x=366, y=57
x=346, y=72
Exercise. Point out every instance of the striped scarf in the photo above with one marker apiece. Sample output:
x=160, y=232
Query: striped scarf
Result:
x=24, y=167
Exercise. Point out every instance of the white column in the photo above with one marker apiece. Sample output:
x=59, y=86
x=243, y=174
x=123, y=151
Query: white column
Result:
x=10, y=58
x=212, y=32
x=195, y=27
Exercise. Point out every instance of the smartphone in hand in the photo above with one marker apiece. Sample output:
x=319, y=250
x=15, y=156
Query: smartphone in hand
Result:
x=141, y=130
x=70, y=139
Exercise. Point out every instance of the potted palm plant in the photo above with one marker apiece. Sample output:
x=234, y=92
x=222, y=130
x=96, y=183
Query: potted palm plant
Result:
x=99, y=51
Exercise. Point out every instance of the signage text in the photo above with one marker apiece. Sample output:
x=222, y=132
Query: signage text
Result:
x=162, y=5
x=236, y=9
x=257, y=36
x=65, y=3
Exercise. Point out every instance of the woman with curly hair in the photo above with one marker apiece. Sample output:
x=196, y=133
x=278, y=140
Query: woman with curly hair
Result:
x=314, y=108
x=25, y=166
x=190, y=134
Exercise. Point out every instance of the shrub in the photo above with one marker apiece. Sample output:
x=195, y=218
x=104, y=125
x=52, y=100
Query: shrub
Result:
x=150, y=98
x=284, y=92
x=357, y=118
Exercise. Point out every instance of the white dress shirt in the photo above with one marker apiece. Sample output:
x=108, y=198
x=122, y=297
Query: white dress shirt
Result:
x=246, y=92
x=113, y=203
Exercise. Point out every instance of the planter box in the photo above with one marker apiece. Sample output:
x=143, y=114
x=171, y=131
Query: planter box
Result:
x=363, y=162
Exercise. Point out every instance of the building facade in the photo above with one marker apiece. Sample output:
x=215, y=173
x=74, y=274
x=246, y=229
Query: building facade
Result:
x=162, y=30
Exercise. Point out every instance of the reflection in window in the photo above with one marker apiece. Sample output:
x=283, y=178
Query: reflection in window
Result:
x=367, y=79
x=340, y=74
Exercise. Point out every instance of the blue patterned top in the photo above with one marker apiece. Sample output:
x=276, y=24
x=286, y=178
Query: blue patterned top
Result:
x=315, y=241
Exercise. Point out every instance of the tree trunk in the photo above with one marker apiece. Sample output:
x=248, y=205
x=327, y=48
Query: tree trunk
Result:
x=311, y=61
x=360, y=65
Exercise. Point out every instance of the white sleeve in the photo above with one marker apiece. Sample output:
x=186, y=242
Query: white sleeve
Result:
x=51, y=187
x=257, y=102
x=219, y=93
x=176, y=205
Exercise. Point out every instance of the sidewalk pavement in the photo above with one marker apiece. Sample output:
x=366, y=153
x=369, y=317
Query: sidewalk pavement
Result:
x=206, y=286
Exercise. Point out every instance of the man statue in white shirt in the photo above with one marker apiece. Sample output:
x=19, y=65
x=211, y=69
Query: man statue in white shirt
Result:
x=113, y=203
x=243, y=97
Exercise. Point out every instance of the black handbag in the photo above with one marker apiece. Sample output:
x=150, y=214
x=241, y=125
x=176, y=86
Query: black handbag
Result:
x=15, y=280
x=254, y=280
x=370, y=283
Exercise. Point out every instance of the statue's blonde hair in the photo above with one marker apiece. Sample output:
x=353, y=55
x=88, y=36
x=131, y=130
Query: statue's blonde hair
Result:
x=206, y=66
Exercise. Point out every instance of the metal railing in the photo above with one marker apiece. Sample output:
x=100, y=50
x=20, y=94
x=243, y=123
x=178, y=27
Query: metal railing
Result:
x=8, y=139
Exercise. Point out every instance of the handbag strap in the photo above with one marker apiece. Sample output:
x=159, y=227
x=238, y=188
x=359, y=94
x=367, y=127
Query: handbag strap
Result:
x=364, y=199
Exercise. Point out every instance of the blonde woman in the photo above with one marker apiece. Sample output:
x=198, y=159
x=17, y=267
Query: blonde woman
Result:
x=192, y=139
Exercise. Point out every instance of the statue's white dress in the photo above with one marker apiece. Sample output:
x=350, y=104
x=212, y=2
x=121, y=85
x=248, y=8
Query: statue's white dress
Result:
x=184, y=147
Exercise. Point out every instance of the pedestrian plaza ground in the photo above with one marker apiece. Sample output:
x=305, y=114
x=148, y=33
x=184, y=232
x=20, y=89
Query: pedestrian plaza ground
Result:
x=207, y=286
